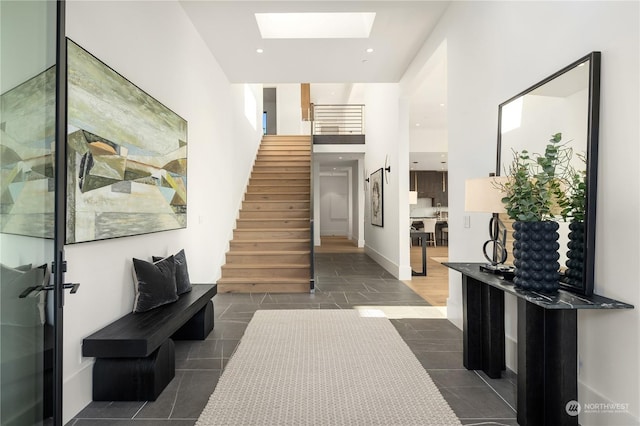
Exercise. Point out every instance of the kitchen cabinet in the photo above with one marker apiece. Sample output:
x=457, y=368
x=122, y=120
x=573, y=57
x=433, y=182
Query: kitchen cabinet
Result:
x=430, y=185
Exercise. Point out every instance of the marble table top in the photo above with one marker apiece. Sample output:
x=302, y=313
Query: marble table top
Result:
x=560, y=300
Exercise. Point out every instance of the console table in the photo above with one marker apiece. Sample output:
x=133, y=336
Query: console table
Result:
x=547, y=341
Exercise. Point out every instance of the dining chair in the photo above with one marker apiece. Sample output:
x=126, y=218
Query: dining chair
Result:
x=430, y=229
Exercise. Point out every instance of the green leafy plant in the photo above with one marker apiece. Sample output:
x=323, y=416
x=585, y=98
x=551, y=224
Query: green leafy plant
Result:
x=577, y=194
x=536, y=185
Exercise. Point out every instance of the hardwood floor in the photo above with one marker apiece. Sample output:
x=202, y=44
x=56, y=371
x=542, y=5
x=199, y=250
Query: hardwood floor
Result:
x=434, y=288
x=337, y=245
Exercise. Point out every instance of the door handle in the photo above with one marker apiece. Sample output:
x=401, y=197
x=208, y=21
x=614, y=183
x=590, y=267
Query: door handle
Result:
x=29, y=290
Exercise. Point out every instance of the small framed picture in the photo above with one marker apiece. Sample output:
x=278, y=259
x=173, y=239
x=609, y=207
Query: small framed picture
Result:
x=377, y=198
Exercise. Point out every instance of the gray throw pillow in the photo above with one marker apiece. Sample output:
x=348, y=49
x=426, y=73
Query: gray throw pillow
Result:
x=155, y=283
x=183, y=284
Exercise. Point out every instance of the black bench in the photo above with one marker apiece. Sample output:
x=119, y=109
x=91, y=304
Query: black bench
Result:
x=135, y=357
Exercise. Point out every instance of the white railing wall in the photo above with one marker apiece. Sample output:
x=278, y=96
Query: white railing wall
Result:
x=346, y=119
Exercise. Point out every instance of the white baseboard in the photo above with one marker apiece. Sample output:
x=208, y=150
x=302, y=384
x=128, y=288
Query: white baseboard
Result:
x=78, y=392
x=386, y=263
x=596, y=409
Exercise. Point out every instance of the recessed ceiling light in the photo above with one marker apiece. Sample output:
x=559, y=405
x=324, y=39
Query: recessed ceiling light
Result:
x=315, y=25
x=441, y=104
x=369, y=50
x=339, y=158
x=259, y=50
x=417, y=124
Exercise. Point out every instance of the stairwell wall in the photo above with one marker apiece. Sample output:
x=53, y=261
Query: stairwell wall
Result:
x=155, y=46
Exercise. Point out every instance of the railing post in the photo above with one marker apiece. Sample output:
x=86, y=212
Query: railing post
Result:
x=312, y=273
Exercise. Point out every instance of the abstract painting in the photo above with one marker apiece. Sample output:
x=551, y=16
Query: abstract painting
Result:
x=377, y=198
x=126, y=156
x=27, y=147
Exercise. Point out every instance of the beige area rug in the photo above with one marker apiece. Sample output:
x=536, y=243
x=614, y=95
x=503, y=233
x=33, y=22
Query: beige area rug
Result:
x=440, y=259
x=324, y=367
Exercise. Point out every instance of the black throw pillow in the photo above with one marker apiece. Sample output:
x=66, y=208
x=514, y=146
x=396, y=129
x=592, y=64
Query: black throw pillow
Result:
x=183, y=284
x=155, y=283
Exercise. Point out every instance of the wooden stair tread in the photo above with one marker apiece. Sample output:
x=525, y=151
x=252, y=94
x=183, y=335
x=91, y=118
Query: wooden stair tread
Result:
x=279, y=193
x=266, y=280
x=278, y=240
x=267, y=252
x=277, y=186
x=273, y=219
x=270, y=229
x=266, y=266
x=275, y=208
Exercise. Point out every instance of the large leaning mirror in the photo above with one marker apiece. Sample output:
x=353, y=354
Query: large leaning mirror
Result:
x=566, y=102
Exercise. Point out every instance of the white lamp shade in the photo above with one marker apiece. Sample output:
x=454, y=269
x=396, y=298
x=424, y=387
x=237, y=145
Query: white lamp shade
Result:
x=483, y=194
x=413, y=197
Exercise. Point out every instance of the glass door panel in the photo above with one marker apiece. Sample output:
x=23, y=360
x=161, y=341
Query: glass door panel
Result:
x=27, y=198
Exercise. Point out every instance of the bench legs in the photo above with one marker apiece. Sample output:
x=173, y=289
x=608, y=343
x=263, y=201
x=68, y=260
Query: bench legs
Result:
x=134, y=379
x=198, y=327
x=143, y=379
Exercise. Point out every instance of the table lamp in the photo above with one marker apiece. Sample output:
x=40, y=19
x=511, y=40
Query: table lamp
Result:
x=483, y=195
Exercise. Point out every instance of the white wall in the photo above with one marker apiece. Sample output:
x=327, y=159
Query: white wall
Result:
x=154, y=45
x=289, y=110
x=423, y=139
x=496, y=50
x=357, y=205
x=386, y=127
x=334, y=204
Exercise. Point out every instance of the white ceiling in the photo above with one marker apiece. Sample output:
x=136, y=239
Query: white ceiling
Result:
x=230, y=31
x=332, y=66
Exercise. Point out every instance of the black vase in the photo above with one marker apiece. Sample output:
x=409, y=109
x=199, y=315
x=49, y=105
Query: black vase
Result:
x=574, y=274
x=535, y=251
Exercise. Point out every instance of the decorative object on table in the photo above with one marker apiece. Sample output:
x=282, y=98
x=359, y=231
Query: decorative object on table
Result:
x=377, y=198
x=126, y=156
x=575, y=210
x=482, y=195
x=568, y=99
x=535, y=195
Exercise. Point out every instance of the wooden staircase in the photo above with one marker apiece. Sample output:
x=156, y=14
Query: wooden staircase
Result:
x=270, y=250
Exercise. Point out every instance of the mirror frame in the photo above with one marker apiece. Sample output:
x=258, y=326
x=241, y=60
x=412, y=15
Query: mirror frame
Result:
x=593, y=126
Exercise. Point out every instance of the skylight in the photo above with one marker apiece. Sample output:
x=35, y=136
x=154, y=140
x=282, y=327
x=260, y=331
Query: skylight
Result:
x=315, y=25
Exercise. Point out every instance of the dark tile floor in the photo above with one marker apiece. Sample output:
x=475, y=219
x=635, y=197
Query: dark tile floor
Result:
x=343, y=281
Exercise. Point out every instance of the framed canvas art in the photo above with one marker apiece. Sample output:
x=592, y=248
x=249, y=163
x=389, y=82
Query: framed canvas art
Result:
x=377, y=198
x=126, y=156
